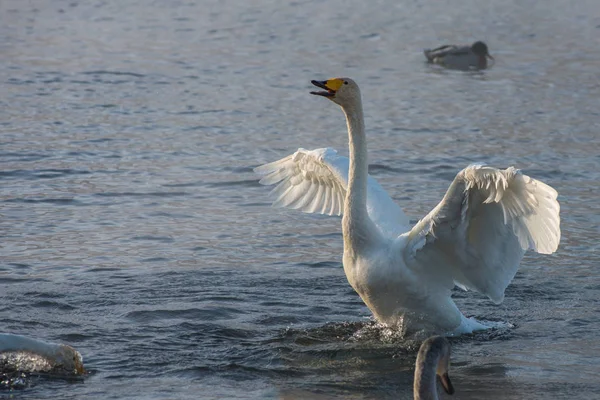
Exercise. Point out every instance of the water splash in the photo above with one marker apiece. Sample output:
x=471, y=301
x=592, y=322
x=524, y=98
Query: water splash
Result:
x=24, y=361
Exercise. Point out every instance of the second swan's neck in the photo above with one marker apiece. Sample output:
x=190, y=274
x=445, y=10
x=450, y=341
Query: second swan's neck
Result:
x=425, y=383
x=356, y=222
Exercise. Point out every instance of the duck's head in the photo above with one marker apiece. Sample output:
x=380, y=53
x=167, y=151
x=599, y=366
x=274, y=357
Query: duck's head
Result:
x=342, y=91
x=481, y=49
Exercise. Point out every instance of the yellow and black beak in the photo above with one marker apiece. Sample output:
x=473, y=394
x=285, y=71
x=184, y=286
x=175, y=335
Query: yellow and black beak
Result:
x=323, y=85
x=331, y=86
x=446, y=384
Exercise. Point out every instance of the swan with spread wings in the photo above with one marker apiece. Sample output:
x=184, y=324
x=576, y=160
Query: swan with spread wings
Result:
x=474, y=238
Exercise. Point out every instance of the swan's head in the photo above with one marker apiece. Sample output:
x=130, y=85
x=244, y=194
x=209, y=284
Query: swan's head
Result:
x=434, y=354
x=342, y=91
x=68, y=360
x=442, y=369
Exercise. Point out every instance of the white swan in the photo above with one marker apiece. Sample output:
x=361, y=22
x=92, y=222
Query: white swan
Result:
x=433, y=359
x=30, y=355
x=474, y=238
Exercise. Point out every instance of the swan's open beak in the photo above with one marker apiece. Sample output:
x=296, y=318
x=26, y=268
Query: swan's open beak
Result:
x=446, y=384
x=331, y=86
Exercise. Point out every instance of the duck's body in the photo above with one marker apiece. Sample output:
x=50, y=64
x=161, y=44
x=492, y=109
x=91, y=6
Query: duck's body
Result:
x=475, y=237
x=31, y=355
x=470, y=57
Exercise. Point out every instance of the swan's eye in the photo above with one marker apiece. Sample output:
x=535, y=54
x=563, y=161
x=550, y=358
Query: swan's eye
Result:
x=345, y=82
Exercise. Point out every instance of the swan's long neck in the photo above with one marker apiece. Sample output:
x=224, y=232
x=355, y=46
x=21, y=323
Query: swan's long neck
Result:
x=356, y=222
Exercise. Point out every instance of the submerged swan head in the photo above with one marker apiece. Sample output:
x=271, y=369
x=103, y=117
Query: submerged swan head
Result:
x=342, y=91
x=69, y=360
x=433, y=359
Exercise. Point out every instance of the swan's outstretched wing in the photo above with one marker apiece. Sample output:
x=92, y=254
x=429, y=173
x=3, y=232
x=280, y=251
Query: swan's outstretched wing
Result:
x=315, y=181
x=483, y=226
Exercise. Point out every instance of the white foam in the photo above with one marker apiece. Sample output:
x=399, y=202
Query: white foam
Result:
x=470, y=325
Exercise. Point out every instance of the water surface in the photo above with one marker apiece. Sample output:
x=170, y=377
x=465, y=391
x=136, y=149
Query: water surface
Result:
x=133, y=228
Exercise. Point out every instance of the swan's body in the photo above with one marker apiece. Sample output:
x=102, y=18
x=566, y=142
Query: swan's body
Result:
x=475, y=237
x=460, y=57
x=30, y=355
x=433, y=360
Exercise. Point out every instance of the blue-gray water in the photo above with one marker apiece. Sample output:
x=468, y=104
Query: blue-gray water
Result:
x=133, y=228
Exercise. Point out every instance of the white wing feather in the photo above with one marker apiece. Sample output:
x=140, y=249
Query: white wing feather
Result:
x=315, y=181
x=483, y=226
